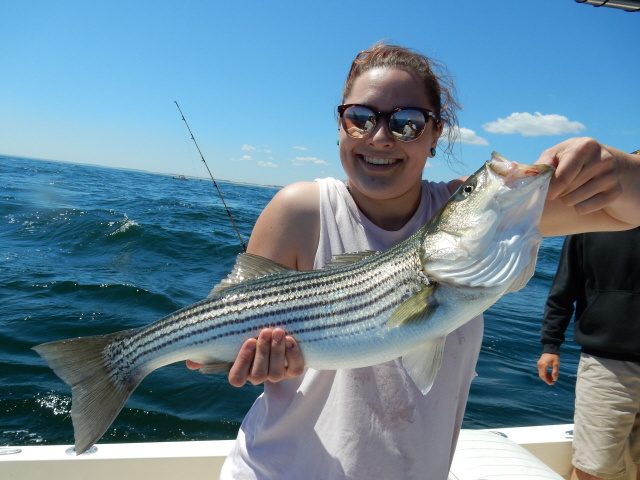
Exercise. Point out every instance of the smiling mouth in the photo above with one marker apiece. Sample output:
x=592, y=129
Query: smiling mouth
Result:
x=379, y=161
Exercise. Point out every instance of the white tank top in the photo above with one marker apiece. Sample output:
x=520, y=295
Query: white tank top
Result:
x=365, y=423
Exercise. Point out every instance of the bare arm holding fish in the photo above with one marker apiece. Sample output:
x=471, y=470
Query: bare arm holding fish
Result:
x=280, y=234
x=595, y=188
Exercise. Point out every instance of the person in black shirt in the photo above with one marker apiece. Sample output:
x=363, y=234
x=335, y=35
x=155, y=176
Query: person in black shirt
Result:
x=600, y=274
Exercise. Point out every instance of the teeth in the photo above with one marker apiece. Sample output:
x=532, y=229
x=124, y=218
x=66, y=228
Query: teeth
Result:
x=379, y=161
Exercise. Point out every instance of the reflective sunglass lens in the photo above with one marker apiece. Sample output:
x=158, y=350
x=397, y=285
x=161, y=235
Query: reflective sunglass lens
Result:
x=359, y=121
x=407, y=124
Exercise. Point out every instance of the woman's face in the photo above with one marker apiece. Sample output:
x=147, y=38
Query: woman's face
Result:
x=380, y=166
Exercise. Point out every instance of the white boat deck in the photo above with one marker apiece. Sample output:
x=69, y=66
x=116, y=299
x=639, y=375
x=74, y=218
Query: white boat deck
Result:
x=202, y=460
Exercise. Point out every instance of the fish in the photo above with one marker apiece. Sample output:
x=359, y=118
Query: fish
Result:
x=362, y=309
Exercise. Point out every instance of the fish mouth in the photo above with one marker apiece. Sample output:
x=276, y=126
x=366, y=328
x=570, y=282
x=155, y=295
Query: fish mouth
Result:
x=524, y=187
x=517, y=175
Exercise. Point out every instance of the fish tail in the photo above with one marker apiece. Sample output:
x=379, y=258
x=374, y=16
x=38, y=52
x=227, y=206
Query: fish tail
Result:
x=99, y=389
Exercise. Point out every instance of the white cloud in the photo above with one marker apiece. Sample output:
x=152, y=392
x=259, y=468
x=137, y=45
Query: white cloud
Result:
x=251, y=148
x=529, y=125
x=267, y=164
x=244, y=158
x=300, y=148
x=466, y=136
x=298, y=161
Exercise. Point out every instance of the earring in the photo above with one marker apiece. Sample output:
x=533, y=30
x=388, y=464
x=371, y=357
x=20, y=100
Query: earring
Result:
x=433, y=152
x=338, y=142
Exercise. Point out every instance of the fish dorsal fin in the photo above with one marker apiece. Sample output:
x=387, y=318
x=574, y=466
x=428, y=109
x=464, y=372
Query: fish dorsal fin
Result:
x=349, y=258
x=417, y=308
x=247, y=267
x=422, y=364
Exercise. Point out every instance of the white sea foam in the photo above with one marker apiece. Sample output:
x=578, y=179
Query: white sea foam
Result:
x=125, y=224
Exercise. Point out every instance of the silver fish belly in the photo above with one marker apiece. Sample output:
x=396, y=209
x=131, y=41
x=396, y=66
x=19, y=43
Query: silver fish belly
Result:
x=363, y=309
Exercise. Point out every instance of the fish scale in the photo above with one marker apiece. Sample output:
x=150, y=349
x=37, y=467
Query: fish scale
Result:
x=363, y=309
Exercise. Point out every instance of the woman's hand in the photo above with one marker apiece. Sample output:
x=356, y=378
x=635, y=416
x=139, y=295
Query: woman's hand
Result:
x=594, y=188
x=273, y=356
x=587, y=175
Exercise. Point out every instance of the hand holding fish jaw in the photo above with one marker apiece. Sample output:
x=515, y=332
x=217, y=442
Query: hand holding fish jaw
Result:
x=588, y=176
x=595, y=188
x=273, y=356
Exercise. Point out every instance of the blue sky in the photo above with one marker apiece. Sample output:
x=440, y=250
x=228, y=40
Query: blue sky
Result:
x=258, y=81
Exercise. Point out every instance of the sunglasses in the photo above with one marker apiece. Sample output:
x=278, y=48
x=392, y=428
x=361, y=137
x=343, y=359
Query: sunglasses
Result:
x=405, y=123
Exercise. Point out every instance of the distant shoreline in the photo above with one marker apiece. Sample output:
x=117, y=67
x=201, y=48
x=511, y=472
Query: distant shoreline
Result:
x=187, y=177
x=175, y=175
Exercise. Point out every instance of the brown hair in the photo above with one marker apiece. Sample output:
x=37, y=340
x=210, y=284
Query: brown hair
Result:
x=438, y=84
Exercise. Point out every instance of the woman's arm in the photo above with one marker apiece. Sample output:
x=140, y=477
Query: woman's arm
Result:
x=594, y=188
x=286, y=232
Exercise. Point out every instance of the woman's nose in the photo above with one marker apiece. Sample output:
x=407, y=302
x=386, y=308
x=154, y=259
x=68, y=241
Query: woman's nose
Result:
x=381, y=134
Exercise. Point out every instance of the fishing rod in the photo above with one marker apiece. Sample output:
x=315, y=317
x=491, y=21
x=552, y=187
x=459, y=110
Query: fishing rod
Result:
x=244, y=247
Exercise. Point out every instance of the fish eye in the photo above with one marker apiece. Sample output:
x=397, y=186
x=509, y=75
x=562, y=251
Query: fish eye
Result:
x=466, y=189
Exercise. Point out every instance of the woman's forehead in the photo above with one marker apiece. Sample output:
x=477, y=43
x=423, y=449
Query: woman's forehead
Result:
x=387, y=88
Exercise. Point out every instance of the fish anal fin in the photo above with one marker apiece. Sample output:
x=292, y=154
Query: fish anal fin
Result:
x=215, y=367
x=247, y=267
x=417, y=308
x=98, y=391
x=422, y=364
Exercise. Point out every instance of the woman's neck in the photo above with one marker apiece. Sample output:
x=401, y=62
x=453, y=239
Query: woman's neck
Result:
x=390, y=214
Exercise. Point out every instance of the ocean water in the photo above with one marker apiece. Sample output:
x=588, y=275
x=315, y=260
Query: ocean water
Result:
x=89, y=250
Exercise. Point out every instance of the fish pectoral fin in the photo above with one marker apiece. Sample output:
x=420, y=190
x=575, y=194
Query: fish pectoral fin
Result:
x=417, y=308
x=247, y=267
x=215, y=367
x=527, y=272
x=348, y=258
x=423, y=363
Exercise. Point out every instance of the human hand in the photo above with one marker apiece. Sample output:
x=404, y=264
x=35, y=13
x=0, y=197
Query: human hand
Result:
x=587, y=175
x=272, y=356
x=549, y=361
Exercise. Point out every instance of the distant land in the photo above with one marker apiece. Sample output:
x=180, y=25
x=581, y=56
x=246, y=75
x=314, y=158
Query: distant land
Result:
x=174, y=175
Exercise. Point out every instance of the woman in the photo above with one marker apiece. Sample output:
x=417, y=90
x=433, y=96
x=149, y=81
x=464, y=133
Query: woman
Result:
x=373, y=422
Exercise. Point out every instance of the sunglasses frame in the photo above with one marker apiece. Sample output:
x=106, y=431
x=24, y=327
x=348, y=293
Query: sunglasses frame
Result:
x=386, y=115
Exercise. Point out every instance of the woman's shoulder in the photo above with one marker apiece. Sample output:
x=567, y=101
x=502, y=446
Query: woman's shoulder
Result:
x=298, y=190
x=288, y=229
x=296, y=200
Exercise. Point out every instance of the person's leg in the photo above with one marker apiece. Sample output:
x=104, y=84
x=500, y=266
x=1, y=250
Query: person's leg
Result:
x=605, y=415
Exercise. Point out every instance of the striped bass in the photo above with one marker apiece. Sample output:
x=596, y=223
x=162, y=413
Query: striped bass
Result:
x=362, y=309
